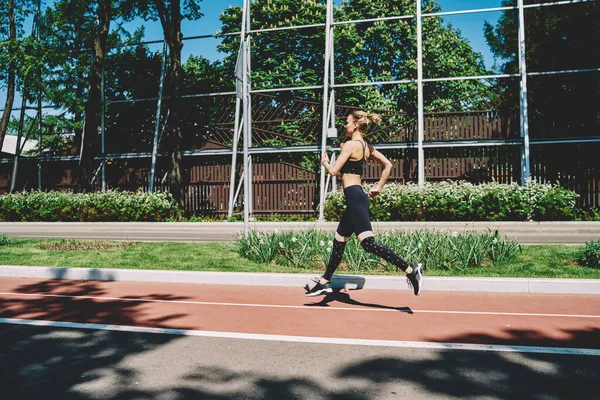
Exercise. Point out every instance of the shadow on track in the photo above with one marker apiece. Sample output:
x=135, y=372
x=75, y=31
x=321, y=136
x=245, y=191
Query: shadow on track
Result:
x=343, y=297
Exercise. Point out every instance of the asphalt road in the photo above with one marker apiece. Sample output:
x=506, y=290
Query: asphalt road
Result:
x=74, y=364
x=523, y=232
x=109, y=340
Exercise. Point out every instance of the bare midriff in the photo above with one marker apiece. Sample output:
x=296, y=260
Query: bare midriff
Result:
x=351, y=180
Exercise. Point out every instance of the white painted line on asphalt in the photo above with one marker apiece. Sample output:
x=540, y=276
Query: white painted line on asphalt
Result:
x=307, y=339
x=303, y=307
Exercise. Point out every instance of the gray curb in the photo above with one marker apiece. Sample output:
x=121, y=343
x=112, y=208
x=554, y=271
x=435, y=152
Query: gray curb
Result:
x=550, y=232
x=434, y=283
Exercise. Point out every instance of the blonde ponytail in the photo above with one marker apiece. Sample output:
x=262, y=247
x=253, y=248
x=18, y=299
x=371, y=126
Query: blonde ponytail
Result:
x=362, y=119
x=376, y=118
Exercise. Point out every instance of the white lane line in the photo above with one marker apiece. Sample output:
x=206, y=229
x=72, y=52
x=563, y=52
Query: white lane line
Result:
x=307, y=339
x=303, y=307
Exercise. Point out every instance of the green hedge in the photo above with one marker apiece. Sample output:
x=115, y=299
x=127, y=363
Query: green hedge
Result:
x=462, y=201
x=590, y=254
x=87, y=207
x=445, y=201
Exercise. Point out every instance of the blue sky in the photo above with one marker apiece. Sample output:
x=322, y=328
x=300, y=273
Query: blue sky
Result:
x=470, y=25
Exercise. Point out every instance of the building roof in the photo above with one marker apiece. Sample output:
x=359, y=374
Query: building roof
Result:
x=10, y=144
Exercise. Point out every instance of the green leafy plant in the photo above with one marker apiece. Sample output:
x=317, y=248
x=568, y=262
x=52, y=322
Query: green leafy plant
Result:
x=258, y=246
x=435, y=249
x=4, y=240
x=590, y=254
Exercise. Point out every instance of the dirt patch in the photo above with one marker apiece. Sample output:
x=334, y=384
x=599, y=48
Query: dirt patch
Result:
x=74, y=245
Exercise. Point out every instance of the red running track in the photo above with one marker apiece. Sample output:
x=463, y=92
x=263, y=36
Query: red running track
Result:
x=565, y=321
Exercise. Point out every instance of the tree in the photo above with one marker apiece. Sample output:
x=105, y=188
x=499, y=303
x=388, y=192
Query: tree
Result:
x=12, y=55
x=69, y=35
x=373, y=51
x=563, y=105
x=170, y=15
x=75, y=36
x=202, y=113
x=10, y=79
x=134, y=73
x=387, y=50
x=78, y=33
x=556, y=38
x=104, y=12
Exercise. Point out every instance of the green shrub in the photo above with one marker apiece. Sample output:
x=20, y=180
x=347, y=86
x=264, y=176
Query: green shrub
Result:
x=590, y=254
x=111, y=205
x=554, y=204
x=4, y=240
x=587, y=214
x=462, y=201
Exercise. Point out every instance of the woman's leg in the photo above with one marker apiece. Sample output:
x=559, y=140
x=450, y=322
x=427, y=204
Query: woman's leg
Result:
x=414, y=274
x=339, y=244
x=359, y=202
x=342, y=234
x=364, y=232
x=371, y=246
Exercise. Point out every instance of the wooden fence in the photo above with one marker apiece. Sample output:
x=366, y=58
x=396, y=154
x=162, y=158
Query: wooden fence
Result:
x=287, y=188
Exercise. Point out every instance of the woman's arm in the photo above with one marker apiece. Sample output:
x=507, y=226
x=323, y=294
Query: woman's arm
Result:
x=347, y=150
x=385, y=174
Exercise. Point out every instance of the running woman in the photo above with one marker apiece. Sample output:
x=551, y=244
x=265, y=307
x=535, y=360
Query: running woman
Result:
x=351, y=164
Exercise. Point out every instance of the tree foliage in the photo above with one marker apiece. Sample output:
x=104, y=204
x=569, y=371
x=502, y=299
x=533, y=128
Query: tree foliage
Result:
x=556, y=39
x=363, y=52
x=19, y=54
x=565, y=105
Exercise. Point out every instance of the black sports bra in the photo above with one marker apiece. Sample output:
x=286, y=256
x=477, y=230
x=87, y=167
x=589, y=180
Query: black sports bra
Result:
x=355, y=167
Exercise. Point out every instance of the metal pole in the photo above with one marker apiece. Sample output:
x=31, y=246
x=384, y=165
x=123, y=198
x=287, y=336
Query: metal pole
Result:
x=102, y=126
x=249, y=181
x=157, y=121
x=420, y=126
x=39, y=97
x=40, y=144
x=239, y=188
x=13, y=177
x=524, y=115
x=326, y=88
x=236, y=139
x=247, y=176
x=332, y=81
x=245, y=113
x=240, y=104
x=334, y=185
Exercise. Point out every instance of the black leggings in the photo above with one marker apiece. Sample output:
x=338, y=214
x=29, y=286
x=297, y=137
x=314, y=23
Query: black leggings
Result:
x=356, y=220
x=356, y=215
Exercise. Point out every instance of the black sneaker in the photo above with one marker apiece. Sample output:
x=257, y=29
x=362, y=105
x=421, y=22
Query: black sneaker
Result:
x=415, y=278
x=318, y=289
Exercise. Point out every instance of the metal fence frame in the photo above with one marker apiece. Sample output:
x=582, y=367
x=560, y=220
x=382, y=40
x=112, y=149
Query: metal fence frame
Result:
x=244, y=91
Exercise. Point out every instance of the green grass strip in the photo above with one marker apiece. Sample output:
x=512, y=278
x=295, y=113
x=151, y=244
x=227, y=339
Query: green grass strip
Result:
x=539, y=261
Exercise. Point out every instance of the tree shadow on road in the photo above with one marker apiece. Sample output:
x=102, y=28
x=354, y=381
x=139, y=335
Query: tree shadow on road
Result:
x=38, y=362
x=82, y=301
x=45, y=362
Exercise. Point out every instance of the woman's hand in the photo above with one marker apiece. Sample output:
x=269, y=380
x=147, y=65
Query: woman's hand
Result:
x=374, y=192
x=324, y=159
